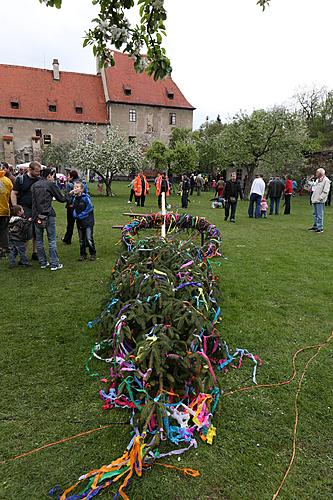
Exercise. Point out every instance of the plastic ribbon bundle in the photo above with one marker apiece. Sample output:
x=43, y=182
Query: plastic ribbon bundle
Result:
x=159, y=351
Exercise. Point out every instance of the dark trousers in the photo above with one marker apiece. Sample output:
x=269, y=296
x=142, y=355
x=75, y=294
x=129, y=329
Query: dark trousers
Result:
x=254, y=199
x=184, y=199
x=132, y=195
x=230, y=207
x=287, y=198
x=4, y=232
x=192, y=189
x=70, y=227
x=86, y=239
x=140, y=200
x=274, y=201
x=17, y=248
x=159, y=200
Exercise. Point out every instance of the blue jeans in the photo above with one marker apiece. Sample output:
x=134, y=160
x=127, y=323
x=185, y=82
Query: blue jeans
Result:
x=318, y=215
x=275, y=201
x=17, y=248
x=254, y=198
x=86, y=238
x=51, y=237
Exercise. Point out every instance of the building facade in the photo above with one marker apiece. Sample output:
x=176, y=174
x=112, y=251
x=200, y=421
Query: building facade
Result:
x=39, y=107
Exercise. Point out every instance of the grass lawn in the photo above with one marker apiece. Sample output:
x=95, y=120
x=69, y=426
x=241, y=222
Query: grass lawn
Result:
x=277, y=284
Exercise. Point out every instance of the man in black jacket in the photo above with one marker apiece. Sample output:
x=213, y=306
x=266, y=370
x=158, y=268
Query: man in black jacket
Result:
x=44, y=217
x=275, y=190
x=231, y=191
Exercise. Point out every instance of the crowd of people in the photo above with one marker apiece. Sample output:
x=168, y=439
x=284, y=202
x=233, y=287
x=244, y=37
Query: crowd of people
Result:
x=278, y=188
x=27, y=214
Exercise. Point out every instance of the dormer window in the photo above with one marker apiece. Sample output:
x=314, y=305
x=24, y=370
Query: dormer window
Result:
x=170, y=94
x=52, y=108
x=14, y=104
x=127, y=91
x=79, y=110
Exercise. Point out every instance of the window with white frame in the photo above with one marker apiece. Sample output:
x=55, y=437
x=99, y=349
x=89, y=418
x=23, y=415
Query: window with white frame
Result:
x=132, y=115
x=172, y=118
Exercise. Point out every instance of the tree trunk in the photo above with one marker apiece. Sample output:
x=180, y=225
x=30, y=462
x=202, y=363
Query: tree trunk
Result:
x=250, y=176
x=108, y=182
x=108, y=187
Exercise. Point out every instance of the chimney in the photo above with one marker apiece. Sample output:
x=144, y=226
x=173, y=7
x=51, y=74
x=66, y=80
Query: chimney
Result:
x=56, y=73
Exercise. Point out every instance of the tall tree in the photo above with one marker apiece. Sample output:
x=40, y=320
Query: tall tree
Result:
x=272, y=141
x=113, y=155
x=158, y=155
x=112, y=27
x=57, y=154
x=315, y=105
x=184, y=158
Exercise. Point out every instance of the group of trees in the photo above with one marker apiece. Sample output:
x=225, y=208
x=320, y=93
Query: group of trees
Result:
x=270, y=141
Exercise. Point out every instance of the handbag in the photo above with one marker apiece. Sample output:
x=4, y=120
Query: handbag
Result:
x=42, y=221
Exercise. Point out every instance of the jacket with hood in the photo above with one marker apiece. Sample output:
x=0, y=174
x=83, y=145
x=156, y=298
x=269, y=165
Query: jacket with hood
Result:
x=5, y=189
x=18, y=228
x=83, y=211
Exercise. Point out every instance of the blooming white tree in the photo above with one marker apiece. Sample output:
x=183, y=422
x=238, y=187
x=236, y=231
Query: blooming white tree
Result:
x=113, y=155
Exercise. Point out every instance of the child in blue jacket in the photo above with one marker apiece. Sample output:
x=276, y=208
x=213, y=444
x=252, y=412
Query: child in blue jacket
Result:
x=83, y=212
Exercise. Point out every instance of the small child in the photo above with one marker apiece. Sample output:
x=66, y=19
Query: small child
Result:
x=18, y=230
x=263, y=208
x=83, y=212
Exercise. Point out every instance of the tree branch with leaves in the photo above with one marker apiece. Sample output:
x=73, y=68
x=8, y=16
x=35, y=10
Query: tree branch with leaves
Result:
x=112, y=28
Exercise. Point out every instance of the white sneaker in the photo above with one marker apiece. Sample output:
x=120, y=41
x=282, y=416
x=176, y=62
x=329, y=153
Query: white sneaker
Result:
x=45, y=265
x=59, y=266
x=129, y=202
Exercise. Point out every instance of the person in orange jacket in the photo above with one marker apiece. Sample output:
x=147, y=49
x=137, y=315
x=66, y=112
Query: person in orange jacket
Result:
x=162, y=186
x=141, y=188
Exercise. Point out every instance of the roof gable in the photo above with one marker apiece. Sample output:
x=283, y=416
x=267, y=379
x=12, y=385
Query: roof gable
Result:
x=143, y=89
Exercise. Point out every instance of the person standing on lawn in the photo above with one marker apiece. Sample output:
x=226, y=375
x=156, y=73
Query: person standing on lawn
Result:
x=72, y=177
x=318, y=199
x=185, y=188
x=274, y=193
x=288, y=192
x=141, y=188
x=44, y=217
x=5, y=190
x=231, y=191
x=84, y=214
x=192, y=182
x=18, y=232
x=256, y=194
x=162, y=186
x=21, y=195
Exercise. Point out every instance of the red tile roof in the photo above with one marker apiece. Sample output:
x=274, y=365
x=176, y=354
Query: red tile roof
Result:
x=144, y=90
x=35, y=89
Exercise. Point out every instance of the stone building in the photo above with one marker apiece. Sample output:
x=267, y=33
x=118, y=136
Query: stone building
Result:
x=39, y=106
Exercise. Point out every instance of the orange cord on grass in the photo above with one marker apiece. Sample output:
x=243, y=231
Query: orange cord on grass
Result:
x=193, y=472
x=299, y=385
x=35, y=450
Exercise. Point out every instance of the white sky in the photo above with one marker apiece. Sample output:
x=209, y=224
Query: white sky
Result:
x=226, y=55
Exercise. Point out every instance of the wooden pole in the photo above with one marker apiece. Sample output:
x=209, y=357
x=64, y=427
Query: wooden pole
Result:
x=163, y=213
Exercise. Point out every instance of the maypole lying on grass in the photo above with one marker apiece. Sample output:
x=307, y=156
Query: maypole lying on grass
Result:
x=161, y=345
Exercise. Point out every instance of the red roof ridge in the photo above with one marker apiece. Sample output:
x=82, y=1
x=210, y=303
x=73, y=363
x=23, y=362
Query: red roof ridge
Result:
x=46, y=69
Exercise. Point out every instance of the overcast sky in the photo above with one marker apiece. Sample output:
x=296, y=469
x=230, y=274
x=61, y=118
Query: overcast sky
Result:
x=226, y=55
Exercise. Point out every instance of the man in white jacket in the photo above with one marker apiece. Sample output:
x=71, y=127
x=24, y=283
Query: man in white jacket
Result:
x=256, y=194
x=318, y=198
